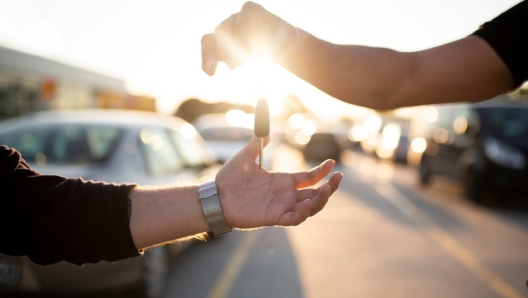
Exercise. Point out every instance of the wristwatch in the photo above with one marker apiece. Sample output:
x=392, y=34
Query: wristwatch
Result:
x=212, y=209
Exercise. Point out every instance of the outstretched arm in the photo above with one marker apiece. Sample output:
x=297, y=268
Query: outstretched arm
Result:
x=464, y=70
x=249, y=197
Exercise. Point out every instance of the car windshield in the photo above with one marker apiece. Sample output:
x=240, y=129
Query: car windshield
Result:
x=506, y=123
x=65, y=144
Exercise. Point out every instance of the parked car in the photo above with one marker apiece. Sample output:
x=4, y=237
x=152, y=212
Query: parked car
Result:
x=394, y=142
x=483, y=145
x=322, y=146
x=226, y=140
x=112, y=146
x=227, y=133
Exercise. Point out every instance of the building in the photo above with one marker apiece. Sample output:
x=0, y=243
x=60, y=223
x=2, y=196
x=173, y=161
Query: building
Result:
x=29, y=83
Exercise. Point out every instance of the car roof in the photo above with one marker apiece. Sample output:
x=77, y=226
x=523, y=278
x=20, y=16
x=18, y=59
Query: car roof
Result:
x=96, y=117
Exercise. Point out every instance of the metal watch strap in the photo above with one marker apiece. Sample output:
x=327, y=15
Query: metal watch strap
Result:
x=212, y=209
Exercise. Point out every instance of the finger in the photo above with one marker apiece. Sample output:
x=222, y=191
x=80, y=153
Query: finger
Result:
x=310, y=193
x=320, y=200
x=334, y=181
x=298, y=216
x=229, y=48
x=304, y=179
x=248, y=25
x=209, y=60
x=253, y=147
x=324, y=192
x=319, y=197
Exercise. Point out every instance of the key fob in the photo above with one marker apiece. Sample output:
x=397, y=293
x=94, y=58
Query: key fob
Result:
x=262, y=119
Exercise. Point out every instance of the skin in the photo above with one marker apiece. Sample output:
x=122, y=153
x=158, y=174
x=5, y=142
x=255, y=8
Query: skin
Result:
x=464, y=70
x=250, y=198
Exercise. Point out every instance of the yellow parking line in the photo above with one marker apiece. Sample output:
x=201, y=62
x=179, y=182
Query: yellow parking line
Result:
x=234, y=265
x=447, y=242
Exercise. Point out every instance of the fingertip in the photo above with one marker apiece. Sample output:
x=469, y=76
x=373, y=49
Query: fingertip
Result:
x=334, y=181
x=209, y=60
x=328, y=163
x=326, y=166
x=339, y=176
x=253, y=147
x=210, y=66
x=267, y=140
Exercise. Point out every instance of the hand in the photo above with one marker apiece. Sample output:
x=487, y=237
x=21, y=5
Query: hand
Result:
x=251, y=197
x=247, y=34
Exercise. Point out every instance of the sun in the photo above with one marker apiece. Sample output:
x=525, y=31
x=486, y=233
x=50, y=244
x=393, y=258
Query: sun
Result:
x=261, y=71
x=258, y=78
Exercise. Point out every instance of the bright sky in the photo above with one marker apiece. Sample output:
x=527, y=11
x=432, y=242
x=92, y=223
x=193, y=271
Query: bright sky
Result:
x=154, y=45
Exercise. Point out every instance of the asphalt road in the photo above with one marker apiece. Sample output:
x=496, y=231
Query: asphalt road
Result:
x=381, y=235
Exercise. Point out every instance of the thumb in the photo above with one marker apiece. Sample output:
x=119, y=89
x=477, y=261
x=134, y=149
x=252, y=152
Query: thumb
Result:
x=253, y=146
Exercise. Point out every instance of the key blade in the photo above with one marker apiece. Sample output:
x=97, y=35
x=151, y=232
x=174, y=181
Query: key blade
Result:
x=262, y=119
x=261, y=157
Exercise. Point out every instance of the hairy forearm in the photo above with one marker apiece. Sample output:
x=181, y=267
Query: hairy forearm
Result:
x=161, y=215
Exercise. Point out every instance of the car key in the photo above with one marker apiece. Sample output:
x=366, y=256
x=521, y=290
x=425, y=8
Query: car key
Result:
x=262, y=125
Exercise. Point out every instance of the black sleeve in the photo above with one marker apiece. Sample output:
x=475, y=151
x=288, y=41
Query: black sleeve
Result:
x=508, y=36
x=52, y=218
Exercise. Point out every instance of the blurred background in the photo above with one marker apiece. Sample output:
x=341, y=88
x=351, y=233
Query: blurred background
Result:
x=434, y=199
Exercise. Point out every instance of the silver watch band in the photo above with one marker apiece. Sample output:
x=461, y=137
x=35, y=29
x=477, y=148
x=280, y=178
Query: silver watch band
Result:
x=212, y=209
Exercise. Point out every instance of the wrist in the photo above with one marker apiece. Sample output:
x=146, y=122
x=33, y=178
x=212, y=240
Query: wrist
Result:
x=160, y=215
x=212, y=210
x=286, y=42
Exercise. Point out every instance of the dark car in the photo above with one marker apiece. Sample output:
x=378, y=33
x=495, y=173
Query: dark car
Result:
x=113, y=146
x=322, y=146
x=484, y=145
x=394, y=142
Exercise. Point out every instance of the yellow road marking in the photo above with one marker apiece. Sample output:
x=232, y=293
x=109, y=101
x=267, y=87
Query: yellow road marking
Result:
x=447, y=242
x=234, y=265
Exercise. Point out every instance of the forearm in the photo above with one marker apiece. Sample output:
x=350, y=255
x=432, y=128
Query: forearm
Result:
x=161, y=215
x=465, y=70
x=51, y=218
x=358, y=75
x=249, y=198
x=468, y=69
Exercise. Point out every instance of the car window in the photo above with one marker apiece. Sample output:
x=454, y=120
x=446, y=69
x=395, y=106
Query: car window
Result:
x=64, y=144
x=190, y=148
x=506, y=123
x=233, y=134
x=159, y=152
x=135, y=156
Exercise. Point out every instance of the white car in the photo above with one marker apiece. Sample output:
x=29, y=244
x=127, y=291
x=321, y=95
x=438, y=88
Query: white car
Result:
x=112, y=146
x=226, y=139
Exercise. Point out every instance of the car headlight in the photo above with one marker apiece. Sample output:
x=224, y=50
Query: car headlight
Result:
x=504, y=154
